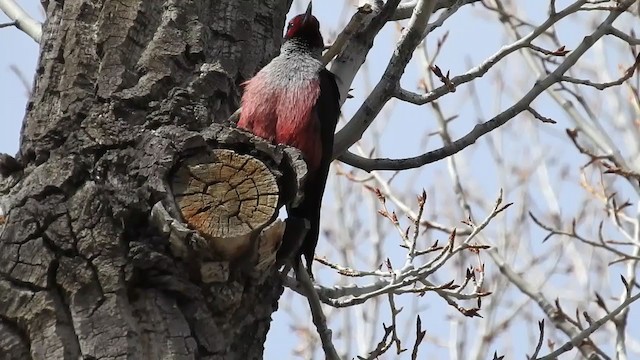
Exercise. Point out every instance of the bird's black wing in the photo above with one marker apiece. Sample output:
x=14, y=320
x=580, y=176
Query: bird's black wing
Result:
x=327, y=109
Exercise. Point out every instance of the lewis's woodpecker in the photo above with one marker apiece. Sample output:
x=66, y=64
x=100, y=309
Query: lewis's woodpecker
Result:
x=294, y=100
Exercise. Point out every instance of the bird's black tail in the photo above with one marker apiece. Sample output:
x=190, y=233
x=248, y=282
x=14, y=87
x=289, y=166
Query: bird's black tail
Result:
x=302, y=229
x=295, y=232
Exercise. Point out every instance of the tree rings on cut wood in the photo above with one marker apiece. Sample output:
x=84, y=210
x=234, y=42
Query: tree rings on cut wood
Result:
x=228, y=198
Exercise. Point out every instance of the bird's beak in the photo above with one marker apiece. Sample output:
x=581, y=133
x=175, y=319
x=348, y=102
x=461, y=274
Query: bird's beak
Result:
x=307, y=14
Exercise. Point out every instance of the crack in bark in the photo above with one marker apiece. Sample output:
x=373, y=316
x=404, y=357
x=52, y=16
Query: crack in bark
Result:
x=62, y=309
x=13, y=327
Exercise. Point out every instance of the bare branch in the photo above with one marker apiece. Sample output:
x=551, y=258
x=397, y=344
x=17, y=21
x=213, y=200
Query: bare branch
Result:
x=403, y=279
x=624, y=36
x=409, y=40
x=21, y=19
x=540, y=339
x=538, y=116
x=382, y=346
x=419, y=337
x=497, y=121
x=319, y=320
x=584, y=334
x=405, y=9
x=628, y=73
x=356, y=23
x=355, y=51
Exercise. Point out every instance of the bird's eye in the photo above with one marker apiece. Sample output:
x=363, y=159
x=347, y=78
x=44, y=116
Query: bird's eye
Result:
x=290, y=25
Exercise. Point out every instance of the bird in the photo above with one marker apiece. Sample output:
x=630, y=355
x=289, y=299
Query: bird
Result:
x=295, y=101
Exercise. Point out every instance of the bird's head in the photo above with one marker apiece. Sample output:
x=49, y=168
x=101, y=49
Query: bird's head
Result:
x=305, y=28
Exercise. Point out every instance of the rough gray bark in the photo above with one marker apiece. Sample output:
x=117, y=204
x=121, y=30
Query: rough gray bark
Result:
x=123, y=89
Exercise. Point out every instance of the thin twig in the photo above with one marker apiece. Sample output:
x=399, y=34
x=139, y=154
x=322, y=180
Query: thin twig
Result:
x=540, y=339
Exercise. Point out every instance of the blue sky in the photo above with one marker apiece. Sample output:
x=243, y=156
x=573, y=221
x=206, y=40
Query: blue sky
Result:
x=17, y=49
x=471, y=39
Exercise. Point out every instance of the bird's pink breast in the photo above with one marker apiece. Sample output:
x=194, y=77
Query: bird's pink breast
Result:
x=258, y=110
x=284, y=115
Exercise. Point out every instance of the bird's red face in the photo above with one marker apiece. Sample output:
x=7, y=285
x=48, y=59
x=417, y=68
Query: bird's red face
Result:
x=305, y=27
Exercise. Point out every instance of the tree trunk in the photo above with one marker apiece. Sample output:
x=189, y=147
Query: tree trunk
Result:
x=124, y=98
